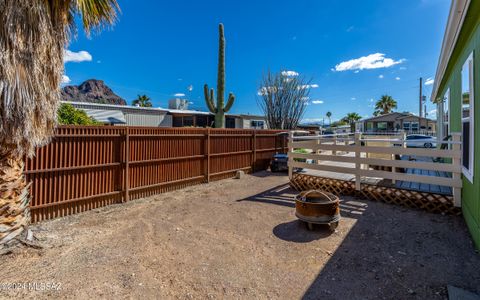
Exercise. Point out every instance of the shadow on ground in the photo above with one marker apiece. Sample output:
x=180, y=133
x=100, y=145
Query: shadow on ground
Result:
x=280, y=195
x=296, y=231
x=398, y=254
x=268, y=173
x=390, y=251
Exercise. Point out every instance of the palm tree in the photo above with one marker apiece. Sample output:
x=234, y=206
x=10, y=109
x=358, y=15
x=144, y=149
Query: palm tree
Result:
x=351, y=118
x=329, y=116
x=142, y=101
x=385, y=105
x=33, y=36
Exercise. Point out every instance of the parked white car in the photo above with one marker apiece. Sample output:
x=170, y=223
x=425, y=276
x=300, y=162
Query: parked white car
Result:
x=421, y=141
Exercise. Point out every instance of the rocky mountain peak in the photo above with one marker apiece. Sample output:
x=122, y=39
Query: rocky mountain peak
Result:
x=93, y=91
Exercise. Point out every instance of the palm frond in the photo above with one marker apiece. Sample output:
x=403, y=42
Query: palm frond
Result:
x=96, y=14
x=33, y=35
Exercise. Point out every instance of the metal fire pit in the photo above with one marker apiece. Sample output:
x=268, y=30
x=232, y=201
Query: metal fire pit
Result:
x=317, y=207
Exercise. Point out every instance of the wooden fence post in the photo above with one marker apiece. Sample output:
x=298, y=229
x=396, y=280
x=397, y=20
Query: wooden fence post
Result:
x=334, y=152
x=127, y=164
x=358, y=178
x=457, y=192
x=289, y=153
x=208, y=155
x=254, y=149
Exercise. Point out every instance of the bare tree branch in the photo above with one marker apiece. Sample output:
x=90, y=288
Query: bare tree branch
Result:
x=283, y=99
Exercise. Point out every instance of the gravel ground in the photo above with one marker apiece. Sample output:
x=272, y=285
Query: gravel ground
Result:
x=240, y=239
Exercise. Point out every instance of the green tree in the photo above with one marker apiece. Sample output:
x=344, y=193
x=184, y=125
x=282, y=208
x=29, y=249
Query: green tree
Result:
x=33, y=36
x=350, y=119
x=69, y=115
x=339, y=123
x=385, y=105
x=329, y=116
x=142, y=101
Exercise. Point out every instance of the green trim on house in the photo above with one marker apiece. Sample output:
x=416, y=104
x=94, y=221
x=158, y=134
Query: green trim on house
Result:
x=468, y=41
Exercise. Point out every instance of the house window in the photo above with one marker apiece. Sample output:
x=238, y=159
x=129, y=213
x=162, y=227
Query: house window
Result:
x=188, y=121
x=414, y=126
x=229, y=122
x=369, y=126
x=202, y=121
x=257, y=124
x=446, y=114
x=177, y=121
x=467, y=117
x=382, y=125
x=406, y=126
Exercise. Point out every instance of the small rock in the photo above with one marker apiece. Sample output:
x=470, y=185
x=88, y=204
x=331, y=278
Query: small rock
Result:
x=240, y=174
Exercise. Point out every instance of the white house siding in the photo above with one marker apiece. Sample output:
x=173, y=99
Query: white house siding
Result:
x=148, y=119
x=134, y=116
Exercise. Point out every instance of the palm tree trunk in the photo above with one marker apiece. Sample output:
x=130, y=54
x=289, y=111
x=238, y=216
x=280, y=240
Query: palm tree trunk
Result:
x=14, y=197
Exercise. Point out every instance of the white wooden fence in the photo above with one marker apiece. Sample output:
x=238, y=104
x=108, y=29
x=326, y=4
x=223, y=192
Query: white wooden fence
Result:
x=340, y=148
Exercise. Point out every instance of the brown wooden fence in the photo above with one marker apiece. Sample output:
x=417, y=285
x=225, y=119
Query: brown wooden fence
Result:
x=89, y=167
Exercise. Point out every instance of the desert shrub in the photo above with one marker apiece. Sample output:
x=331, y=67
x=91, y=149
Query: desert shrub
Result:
x=69, y=115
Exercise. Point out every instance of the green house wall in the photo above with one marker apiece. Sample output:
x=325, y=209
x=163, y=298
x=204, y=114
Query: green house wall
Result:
x=469, y=40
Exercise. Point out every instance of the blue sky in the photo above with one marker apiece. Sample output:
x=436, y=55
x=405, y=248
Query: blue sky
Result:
x=160, y=48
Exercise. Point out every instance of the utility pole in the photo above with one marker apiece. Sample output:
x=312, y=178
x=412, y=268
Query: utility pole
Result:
x=421, y=98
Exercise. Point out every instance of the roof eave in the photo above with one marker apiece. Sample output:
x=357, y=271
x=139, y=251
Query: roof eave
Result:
x=456, y=17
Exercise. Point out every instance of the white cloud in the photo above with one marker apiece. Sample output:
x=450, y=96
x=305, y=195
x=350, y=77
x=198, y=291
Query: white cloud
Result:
x=397, y=78
x=65, y=79
x=432, y=112
x=371, y=100
x=353, y=98
x=289, y=73
x=380, y=76
x=308, y=86
x=402, y=68
x=429, y=81
x=179, y=95
x=357, y=71
x=70, y=56
x=263, y=91
x=372, y=61
x=312, y=120
x=317, y=102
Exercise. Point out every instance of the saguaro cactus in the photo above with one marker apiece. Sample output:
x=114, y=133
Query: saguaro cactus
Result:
x=219, y=109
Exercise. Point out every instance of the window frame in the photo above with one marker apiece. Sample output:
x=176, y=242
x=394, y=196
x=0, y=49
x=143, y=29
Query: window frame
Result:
x=468, y=173
x=446, y=100
x=412, y=127
x=259, y=124
x=383, y=123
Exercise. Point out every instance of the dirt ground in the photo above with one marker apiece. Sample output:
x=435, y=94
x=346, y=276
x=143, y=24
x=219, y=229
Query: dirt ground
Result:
x=241, y=239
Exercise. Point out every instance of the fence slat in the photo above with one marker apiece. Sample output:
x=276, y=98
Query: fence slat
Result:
x=86, y=167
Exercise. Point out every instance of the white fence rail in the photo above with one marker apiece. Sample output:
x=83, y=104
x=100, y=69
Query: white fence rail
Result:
x=356, y=154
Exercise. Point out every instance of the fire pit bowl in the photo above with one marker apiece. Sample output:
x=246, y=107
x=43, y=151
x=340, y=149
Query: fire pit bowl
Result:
x=318, y=207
